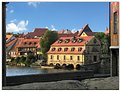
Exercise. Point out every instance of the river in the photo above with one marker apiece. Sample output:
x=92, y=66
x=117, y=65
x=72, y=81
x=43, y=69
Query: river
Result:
x=15, y=70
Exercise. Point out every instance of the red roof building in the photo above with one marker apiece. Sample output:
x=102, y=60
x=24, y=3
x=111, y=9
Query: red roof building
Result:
x=38, y=32
x=22, y=46
x=73, y=50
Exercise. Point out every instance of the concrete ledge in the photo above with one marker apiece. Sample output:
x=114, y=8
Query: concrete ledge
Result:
x=76, y=75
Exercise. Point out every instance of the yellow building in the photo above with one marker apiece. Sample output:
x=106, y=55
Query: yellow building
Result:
x=74, y=50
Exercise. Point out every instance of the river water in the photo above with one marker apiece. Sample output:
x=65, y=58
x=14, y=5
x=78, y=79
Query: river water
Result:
x=15, y=71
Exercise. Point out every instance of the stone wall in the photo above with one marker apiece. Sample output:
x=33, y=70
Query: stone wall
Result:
x=77, y=75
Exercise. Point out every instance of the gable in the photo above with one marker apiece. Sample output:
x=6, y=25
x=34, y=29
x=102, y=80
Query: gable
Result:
x=94, y=41
x=83, y=34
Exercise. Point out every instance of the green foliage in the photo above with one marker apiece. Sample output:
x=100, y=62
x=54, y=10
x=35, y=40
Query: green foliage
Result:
x=30, y=56
x=17, y=60
x=105, y=42
x=22, y=59
x=100, y=36
x=12, y=59
x=29, y=60
x=48, y=38
x=25, y=60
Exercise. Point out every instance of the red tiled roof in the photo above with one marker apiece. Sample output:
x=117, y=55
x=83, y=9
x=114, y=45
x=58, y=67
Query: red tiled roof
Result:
x=67, y=35
x=8, y=37
x=70, y=43
x=37, y=32
x=29, y=43
x=11, y=42
x=65, y=32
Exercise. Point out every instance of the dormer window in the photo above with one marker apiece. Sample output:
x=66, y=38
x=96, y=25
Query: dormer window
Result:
x=60, y=41
x=67, y=40
x=80, y=40
x=73, y=39
x=65, y=49
x=72, y=49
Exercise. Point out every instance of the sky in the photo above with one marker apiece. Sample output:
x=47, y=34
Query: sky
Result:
x=25, y=16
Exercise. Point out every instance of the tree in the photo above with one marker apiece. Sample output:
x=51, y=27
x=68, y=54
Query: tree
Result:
x=17, y=60
x=12, y=59
x=27, y=62
x=100, y=36
x=22, y=59
x=48, y=38
x=105, y=42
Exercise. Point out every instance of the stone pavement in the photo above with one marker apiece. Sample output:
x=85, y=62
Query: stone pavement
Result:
x=109, y=83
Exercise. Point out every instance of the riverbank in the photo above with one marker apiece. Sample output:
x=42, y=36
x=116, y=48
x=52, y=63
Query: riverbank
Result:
x=109, y=83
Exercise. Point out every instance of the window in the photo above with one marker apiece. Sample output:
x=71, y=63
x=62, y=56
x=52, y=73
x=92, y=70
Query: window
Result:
x=78, y=58
x=65, y=49
x=57, y=57
x=80, y=40
x=95, y=58
x=115, y=22
x=72, y=49
x=79, y=49
x=59, y=49
x=73, y=39
x=60, y=40
x=71, y=58
x=51, y=57
x=64, y=57
x=53, y=49
x=25, y=43
x=30, y=43
x=35, y=43
x=67, y=40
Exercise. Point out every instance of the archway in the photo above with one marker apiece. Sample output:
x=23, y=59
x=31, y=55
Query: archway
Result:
x=70, y=66
x=78, y=66
x=64, y=66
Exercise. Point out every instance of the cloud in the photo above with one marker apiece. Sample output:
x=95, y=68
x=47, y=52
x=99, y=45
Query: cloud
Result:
x=53, y=28
x=73, y=30
x=17, y=27
x=34, y=4
x=11, y=11
x=46, y=27
x=14, y=20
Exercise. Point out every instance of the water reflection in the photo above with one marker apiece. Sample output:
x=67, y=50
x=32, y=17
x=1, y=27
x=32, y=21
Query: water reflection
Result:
x=14, y=71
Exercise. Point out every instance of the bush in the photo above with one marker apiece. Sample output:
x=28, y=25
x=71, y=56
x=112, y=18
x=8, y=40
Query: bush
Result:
x=27, y=62
x=22, y=59
x=30, y=56
x=12, y=59
x=17, y=60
